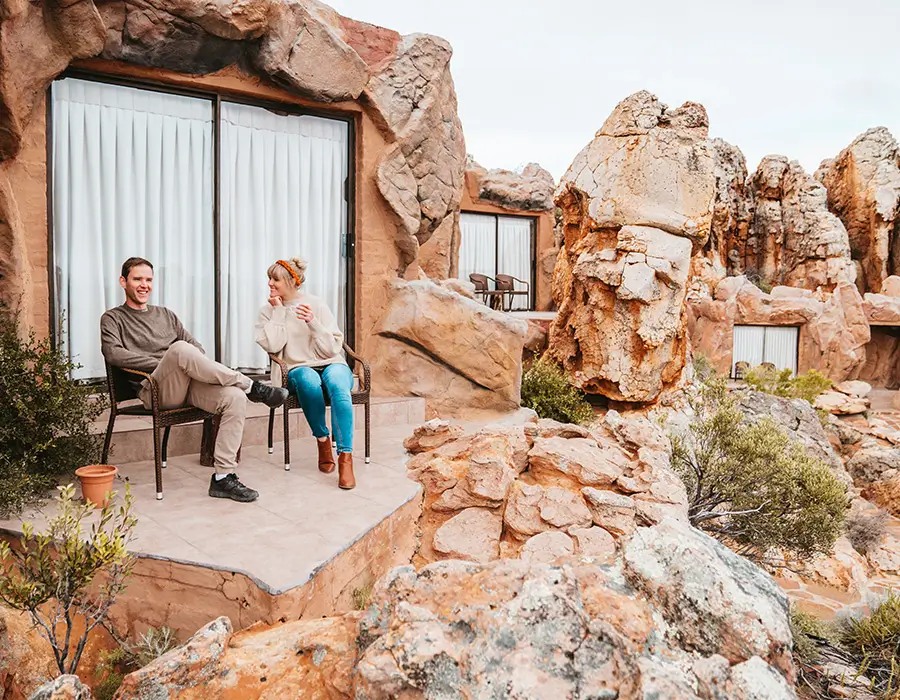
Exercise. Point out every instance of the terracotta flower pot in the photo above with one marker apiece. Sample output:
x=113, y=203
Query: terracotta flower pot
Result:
x=96, y=482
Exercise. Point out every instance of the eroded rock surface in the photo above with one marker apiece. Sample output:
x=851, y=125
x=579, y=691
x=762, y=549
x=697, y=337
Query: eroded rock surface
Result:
x=635, y=201
x=455, y=352
x=863, y=185
x=528, y=190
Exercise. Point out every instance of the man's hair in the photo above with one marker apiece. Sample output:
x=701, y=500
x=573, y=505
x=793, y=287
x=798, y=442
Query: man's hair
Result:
x=134, y=262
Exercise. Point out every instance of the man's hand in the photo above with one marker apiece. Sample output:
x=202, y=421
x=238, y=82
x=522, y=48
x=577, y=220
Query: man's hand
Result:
x=304, y=312
x=275, y=300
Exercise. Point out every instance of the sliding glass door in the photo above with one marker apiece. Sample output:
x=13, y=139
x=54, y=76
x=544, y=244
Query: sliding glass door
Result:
x=133, y=173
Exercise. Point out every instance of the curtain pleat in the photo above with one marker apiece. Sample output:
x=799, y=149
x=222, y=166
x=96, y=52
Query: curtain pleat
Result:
x=132, y=175
x=477, y=245
x=282, y=185
x=514, y=254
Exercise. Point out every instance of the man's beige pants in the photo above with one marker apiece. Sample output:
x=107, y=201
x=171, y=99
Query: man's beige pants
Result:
x=186, y=376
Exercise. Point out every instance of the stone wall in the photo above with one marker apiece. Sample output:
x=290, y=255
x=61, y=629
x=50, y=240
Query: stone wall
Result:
x=410, y=151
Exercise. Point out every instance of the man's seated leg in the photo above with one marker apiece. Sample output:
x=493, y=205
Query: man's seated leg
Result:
x=193, y=364
x=230, y=403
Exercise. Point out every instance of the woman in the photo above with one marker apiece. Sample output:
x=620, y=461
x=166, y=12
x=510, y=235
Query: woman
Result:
x=300, y=329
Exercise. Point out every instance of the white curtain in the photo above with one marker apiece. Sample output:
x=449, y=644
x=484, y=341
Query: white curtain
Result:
x=514, y=256
x=748, y=345
x=781, y=347
x=132, y=176
x=477, y=245
x=282, y=196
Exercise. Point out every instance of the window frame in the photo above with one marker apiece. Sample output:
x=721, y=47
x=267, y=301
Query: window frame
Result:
x=765, y=326
x=532, y=294
x=216, y=97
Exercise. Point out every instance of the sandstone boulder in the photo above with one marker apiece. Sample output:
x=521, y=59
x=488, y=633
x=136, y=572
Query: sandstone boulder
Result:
x=891, y=286
x=432, y=435
x=594, y=542
x=732, y=211
x=715, y=601
x=621, y=279
x=310, y=659
x=839, y=403
x=547, y=547
x=863, y=184
x=421, y=176
x=611, y=511
x=37, y=42
x=528, y=190
x=473, y=535
x=854, y=388
x=793, y=239
x=303, y=50
x=63, y=688
x=462, y=357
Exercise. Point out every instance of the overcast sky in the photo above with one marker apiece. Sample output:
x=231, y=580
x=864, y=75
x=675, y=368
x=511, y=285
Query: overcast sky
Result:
x=536, y=78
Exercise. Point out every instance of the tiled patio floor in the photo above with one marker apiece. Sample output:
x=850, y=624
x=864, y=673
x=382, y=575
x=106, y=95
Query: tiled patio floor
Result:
x=301, y=519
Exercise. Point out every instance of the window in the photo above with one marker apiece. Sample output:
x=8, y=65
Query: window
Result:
x=758, y=344
x=492, y=245
x=133, y=173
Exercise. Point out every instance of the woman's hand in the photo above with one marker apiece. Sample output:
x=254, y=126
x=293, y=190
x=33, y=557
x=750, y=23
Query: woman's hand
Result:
x=304, y=312
x=275, y=300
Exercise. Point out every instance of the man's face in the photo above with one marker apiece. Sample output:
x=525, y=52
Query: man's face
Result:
x=138, y=286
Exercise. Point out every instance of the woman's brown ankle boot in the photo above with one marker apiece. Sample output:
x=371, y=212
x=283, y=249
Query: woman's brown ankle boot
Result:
x=326, y=458
x=346, y=480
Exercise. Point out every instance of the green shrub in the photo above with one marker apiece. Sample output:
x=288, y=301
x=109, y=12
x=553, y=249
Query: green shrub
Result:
x=128, y=657
x=65, y=577
x=45, y=417
x=767, y=379
x=703, y=368
x=876, y=640
x=547, y=390
x=749, y=485
x=806, y=629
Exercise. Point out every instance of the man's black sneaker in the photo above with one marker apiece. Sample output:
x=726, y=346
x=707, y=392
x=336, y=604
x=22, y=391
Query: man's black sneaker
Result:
x=231, y=487
x=271, y=396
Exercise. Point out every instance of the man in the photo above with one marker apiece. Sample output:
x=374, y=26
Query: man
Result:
x=138, y=336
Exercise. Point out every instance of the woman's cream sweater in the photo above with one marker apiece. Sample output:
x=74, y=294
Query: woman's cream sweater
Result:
x=298, y=343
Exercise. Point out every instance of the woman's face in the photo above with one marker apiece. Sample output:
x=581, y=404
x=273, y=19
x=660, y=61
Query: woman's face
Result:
x=281, y=288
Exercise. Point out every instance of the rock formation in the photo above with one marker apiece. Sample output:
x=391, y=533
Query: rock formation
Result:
x=793, y=239
x=732, y=211
x=62, y=688
x=636, y=202
x=456, y=352
x=421, y=175
x=582, y=579
x=863, y=185
x=528, y=190
x=834, y=330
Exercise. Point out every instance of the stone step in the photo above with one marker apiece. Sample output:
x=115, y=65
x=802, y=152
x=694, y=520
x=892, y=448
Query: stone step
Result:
x=133, y=436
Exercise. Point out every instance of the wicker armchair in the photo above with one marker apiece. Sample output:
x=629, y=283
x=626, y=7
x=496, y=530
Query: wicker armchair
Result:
x=361, y=395
x=507, y=285
x=120, y=390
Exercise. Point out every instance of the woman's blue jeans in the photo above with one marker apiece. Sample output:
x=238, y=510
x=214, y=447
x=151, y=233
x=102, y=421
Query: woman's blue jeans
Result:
x=337, y=378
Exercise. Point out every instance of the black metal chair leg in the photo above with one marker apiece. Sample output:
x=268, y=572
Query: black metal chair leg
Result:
x=157, y=461
x=287, y=438
x=271, y=430
x=368, y=434
x=165, y=446
x=109, y=433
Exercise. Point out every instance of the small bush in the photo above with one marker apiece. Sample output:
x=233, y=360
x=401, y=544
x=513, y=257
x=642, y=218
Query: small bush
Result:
x=547, y=390
x=876, y=639
x=81, y=573
x=751, y=486
x=806, y=629
x=865, y=531
x=128, y=657
x=45, y=417
x=767, y=379
x=361, y=596
x=703, y=368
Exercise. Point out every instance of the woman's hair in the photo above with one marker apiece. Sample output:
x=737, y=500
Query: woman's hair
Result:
x=282, y=270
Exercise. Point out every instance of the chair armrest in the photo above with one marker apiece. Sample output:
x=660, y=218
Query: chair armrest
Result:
x=154, y=387
x=366, y=378
x=284, y=369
